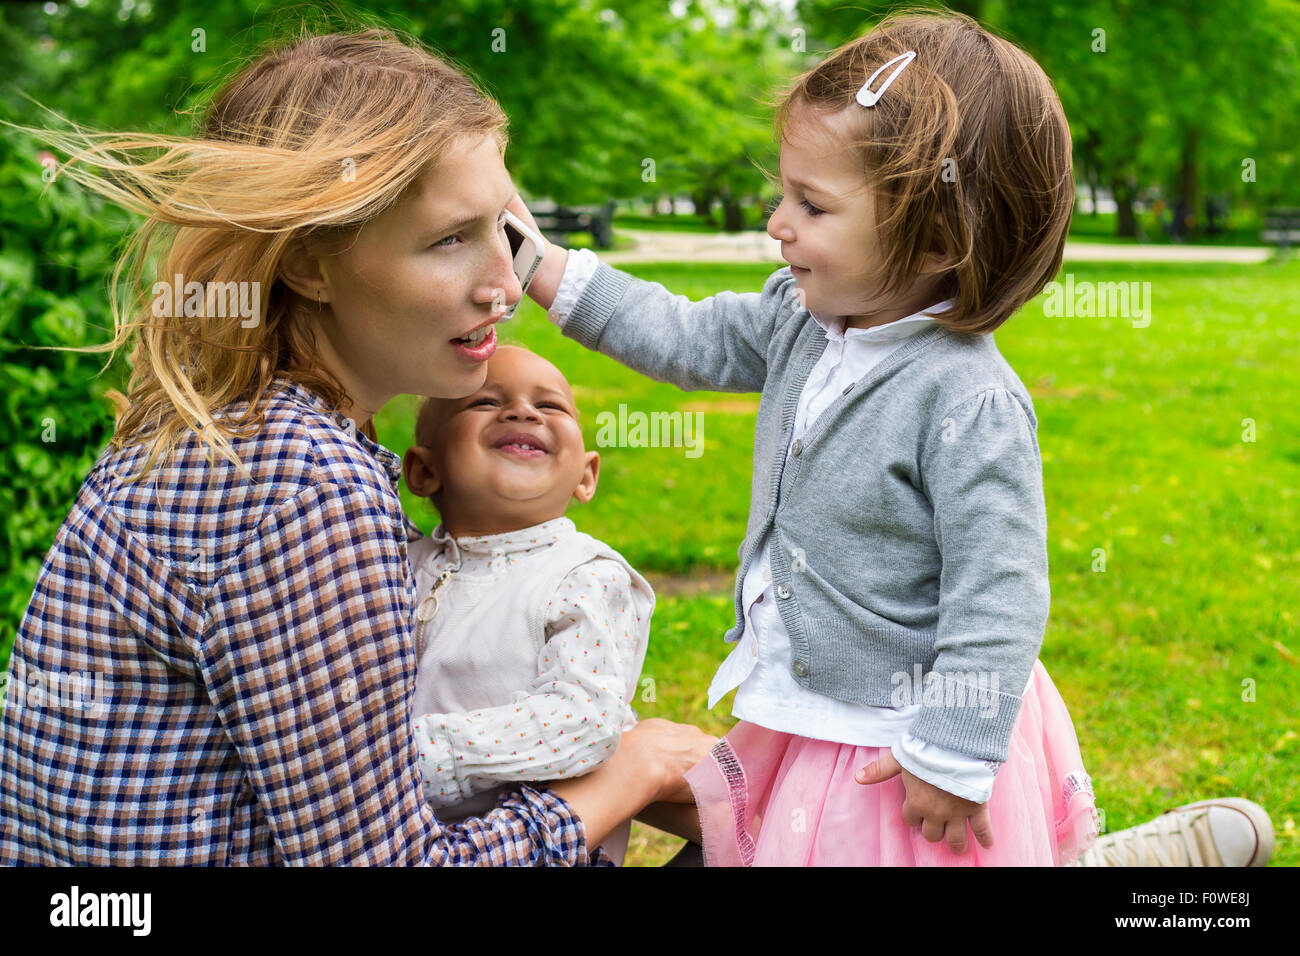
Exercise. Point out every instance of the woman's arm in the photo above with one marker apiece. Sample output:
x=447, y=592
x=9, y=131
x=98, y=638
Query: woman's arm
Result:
x=648, y=767
x=309, y=664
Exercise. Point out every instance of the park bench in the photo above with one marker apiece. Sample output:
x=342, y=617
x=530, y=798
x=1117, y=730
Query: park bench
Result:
x=557, y=221
x=1283, y=227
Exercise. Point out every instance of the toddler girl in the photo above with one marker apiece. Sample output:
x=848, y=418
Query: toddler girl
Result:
x=893, y=587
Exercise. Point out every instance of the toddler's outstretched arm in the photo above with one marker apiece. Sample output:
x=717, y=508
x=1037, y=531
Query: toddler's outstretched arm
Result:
x=717, y=343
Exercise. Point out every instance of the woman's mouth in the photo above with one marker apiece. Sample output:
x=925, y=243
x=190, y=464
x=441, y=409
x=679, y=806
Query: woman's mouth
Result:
x=479, y=345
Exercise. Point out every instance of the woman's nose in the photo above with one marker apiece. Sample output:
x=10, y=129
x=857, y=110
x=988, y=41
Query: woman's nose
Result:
x=502, y=289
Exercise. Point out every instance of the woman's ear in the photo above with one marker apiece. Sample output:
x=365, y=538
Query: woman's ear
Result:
x=302, y=272
x=420, y=469
x=586, y=489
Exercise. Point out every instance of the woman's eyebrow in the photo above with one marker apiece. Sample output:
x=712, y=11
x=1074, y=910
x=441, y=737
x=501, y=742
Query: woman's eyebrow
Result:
x=461, y=223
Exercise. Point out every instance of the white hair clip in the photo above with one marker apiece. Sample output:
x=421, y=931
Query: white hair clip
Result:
x=866, y=97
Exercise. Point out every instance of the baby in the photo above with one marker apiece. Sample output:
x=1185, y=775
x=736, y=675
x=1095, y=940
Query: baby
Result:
x=530, y=634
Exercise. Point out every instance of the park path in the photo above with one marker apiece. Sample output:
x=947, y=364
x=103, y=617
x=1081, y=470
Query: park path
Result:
x=652, y=246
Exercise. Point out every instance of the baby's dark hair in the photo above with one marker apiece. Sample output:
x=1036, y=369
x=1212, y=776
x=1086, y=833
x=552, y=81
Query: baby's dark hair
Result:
x=968, y=151
x=427, y=420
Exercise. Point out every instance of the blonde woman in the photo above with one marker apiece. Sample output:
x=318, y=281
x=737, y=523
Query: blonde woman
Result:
x=234, y=571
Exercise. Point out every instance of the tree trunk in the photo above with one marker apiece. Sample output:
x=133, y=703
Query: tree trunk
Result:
x=732, y=218
x=703, y=200
x=1125, y=221
x=1189, y=184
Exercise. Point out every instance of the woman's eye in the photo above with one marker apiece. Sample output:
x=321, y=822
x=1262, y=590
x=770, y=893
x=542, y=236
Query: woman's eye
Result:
x=812, y=210
x=452, y=239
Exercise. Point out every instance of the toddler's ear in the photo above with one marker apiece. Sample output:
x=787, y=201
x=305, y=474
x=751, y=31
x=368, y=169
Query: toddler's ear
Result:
x=586, y=489
x=938, y=259
x=421, y=471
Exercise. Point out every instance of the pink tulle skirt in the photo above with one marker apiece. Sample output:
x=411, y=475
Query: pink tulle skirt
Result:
x=773, y=799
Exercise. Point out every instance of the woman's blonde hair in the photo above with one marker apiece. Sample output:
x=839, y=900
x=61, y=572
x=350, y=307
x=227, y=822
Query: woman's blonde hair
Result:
x=310, y=141
x=968, y=152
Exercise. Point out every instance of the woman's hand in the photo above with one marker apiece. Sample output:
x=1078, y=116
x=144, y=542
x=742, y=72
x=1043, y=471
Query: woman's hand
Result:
x=546, y=280
x=673, y=749
x=647, y=767
x=939, y=814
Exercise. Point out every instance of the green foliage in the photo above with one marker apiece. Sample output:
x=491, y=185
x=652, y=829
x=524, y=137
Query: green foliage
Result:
x=592, y=90
x=54, y=252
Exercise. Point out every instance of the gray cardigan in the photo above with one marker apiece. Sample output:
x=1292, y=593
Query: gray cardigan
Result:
x=909, y=532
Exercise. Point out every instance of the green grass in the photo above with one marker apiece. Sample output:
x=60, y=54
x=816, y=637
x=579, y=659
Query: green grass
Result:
x=1241, y=228
x=1141, y=431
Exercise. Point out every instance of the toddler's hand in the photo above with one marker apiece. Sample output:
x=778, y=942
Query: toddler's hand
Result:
x=939, y=814
x=547, y=278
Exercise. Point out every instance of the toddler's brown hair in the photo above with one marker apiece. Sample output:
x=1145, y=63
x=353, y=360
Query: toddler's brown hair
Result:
x=968, y=151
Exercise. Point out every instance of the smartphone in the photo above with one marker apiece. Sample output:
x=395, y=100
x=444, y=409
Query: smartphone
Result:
x=527, y=248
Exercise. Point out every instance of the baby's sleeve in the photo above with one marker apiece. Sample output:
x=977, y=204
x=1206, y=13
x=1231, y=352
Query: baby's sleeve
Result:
x=719, y=342
x=568, y=720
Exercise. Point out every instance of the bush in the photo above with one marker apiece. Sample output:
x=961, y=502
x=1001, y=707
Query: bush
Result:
x=55, y=254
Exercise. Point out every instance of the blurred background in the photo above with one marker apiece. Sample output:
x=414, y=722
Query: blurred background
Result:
x=1171, y=450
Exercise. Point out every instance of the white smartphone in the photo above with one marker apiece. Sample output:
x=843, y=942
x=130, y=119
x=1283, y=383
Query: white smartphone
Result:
x=528, y=249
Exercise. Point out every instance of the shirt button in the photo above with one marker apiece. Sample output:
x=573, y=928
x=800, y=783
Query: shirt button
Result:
x=782, y=592
x=767, y=574
x=800, y=669
x=797, y=447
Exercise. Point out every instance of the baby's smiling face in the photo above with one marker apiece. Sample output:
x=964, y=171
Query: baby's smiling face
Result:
x=507, y=456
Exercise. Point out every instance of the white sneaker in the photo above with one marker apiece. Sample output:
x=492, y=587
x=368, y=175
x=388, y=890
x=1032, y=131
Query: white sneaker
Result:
x=1226, y=832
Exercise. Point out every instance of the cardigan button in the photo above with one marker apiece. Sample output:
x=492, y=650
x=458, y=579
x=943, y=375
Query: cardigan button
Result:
x=782, y=592
x=800, y=669
x=847, y=388
x=797, y=448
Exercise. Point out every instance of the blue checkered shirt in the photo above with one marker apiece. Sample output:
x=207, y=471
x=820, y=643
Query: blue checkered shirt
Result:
x=217, y=671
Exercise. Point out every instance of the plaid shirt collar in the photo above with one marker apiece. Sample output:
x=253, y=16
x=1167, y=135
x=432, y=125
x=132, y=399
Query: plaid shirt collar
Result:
x=295, y=391
x=390, y=461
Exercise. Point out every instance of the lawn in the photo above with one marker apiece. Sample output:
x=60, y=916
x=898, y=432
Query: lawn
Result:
x=1173, y=448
